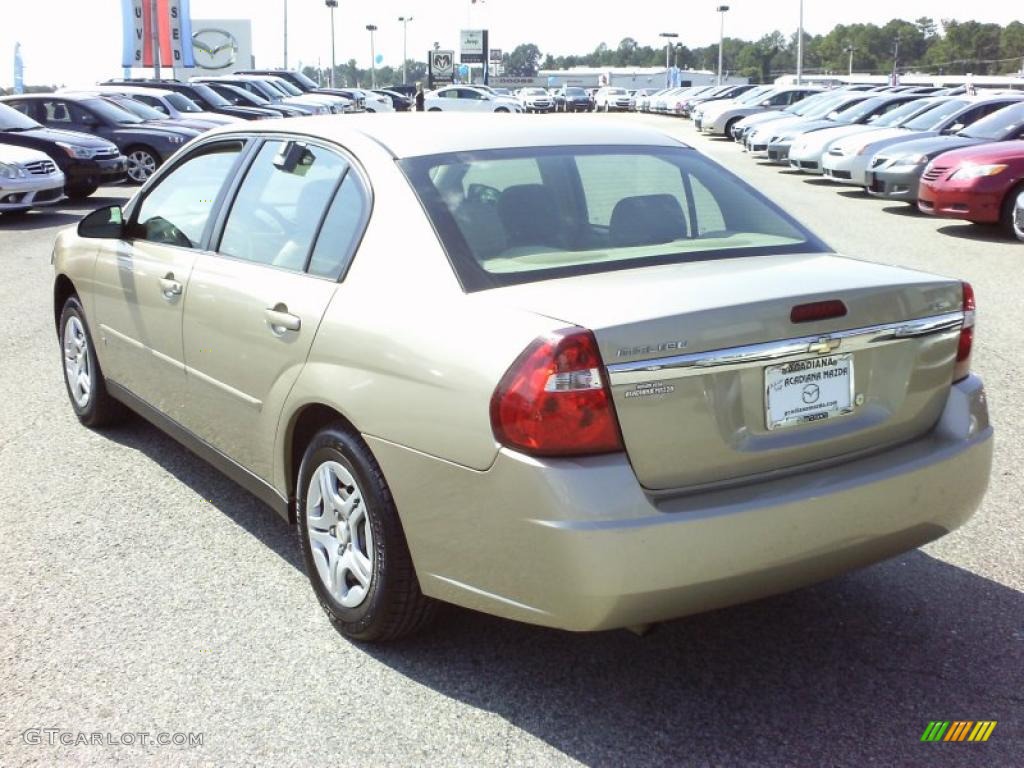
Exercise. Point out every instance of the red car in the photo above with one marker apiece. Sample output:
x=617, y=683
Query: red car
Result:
x=980, y=183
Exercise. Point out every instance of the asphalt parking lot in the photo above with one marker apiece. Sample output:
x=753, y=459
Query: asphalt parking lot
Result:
x=142, y=592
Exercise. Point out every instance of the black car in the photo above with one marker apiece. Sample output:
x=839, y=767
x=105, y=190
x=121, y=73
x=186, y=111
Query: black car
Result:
x=573, y=99
x=203, y=95
x=153, y=116
x=244, y=98
x=86, y=161
x=145, y=145
x=307, y=85
x=400, y=102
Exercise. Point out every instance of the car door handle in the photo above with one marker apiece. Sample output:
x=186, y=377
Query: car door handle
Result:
x=280, y=320
x=170, y=287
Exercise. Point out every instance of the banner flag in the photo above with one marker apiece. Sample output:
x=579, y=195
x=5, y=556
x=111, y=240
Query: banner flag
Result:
x=133, y=33
x=173, y=27
x=19, y=70
x=179, y=49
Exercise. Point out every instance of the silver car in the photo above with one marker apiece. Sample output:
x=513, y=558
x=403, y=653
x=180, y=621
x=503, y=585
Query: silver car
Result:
x=571, y=373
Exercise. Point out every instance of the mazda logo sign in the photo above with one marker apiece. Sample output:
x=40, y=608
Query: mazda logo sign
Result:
x=215, y=48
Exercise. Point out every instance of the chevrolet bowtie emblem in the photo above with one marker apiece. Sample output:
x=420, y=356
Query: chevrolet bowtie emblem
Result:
x=824, y=345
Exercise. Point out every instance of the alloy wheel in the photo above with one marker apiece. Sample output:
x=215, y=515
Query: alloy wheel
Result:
x=1018, y=216
x=77, y=362
x=141, y=165
x=340, y=534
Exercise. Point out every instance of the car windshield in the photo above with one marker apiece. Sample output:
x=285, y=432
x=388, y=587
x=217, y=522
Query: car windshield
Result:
x=281, y=84
x=112, y=112
x=182, y=103
x=933, y=118
x=861, y=111
x=210, y=95
x=575, y=92
x=13, y=120
x=535, y=92
x=616, y=92
x=999, y=126
x=137, y=108
x=826, y=106
x=752, y=96
x=306, y=81
x=509, y=216
x=903, y=112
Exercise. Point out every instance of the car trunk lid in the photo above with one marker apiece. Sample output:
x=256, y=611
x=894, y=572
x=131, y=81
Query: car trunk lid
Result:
x=692, y=349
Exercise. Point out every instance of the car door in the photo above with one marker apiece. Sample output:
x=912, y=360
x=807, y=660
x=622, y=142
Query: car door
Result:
x=253, y=306
x=141, y=282
x=473, y=101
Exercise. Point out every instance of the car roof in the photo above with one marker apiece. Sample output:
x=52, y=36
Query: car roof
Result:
x=130, y=89
x=419, y=134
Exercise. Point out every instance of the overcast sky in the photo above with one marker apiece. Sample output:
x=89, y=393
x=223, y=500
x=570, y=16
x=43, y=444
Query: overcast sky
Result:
x=76, y=42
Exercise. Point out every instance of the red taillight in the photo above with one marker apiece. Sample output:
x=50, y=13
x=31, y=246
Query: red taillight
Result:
x=817, y=310
x=963, y=349
x=555, y=401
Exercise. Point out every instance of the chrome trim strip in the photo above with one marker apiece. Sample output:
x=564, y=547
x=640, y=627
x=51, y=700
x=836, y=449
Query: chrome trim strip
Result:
x=106, y=330
x=699, y=363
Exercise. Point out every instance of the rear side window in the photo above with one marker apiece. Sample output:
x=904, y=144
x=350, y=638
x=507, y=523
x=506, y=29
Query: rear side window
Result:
x=519, y=215
x=341, y=230
x=280, y=204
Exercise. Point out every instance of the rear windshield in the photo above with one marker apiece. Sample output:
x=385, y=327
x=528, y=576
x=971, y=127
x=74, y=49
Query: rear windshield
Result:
x=521, y=215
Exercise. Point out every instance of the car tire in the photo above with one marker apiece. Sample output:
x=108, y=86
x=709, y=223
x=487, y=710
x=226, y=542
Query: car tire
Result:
x=79, y=191
x=90, y=400
x=501, y=109
x=1018, y=214
x=361, y=570
x=434, y=109
x=728, y=128
x=142, y=163
x=1007, y=218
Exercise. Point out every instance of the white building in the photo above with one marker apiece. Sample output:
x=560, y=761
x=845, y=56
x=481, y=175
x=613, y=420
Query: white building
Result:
x=623, y=77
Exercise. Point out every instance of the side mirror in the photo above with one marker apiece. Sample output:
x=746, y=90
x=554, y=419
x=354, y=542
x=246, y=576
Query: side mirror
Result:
x=832, y=115
x=88, y=119
x=955, y=128
x=765, y=103
x=106, y=223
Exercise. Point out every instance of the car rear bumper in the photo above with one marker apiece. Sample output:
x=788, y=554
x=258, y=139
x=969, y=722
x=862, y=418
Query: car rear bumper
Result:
x=578, y=544
x=960, y=203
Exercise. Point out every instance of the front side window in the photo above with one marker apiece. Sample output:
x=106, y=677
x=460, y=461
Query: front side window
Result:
x=177, y=210
x=1002, y=124
x=518, y=215
x=279, y=205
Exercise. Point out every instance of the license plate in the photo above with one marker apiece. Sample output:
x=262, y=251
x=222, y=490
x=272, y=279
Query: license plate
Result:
x=808, y=390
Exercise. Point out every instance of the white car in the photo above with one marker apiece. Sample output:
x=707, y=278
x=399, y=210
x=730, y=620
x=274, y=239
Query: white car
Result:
x=718, y=118
x=375, y=102
x=466, y=98
x=176, y=106
x=536, y=100
x=611, y=100
x=28, y=179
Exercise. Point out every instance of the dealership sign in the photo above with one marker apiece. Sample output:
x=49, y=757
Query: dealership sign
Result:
x=442, y=67
x=164, y=36
x=474, y=46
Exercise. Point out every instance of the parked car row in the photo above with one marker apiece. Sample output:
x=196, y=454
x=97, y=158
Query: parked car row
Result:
x=123, y=130
x=948, y=153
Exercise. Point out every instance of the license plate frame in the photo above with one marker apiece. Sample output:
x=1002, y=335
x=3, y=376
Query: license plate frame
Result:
x=828, y=379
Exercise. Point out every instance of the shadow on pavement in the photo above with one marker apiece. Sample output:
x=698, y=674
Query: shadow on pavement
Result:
x=904, y=209
x=41, y=218
x=820, y=182
x=989, y=233
x=827, y=675
x=857, y=194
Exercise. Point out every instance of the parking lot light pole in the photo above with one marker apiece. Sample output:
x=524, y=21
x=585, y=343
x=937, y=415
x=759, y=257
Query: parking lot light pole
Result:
x=371, y=28
x=668, y=51
x=850, y=49
x=405, y=39
x=721, y=38
x=286, y=34
x=800, y=47
x=332, y=4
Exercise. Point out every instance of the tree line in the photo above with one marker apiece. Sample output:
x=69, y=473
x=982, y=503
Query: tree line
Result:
x=946, y=47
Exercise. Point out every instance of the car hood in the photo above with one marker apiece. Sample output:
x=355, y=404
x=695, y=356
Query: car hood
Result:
x=13, y=154
x=68, y=137
x=784, y=123
x=212, y=117
x=932, y=146
x=990, y=152
x=153, y=131
x=803, y=125
x=857, y=141
x=826, y=136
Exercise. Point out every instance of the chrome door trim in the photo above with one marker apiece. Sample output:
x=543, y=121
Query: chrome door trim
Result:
x=732, y=358
x=249, y=400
